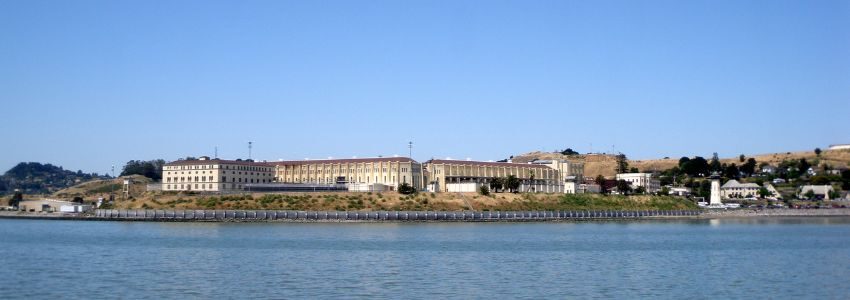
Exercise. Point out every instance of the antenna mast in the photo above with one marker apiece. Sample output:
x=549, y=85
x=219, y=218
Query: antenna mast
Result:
x=249, y=149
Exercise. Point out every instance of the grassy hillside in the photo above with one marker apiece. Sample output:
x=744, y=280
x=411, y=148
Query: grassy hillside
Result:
x=395, y=201
x=104, y=187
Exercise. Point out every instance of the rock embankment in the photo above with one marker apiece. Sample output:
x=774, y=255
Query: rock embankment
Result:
x=743, y=213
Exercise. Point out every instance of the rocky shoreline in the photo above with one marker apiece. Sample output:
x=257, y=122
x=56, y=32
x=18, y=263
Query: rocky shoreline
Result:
x=749, y=213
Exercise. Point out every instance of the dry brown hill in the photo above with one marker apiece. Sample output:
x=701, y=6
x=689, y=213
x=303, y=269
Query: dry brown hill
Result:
x=596, y=164
x=104, y=187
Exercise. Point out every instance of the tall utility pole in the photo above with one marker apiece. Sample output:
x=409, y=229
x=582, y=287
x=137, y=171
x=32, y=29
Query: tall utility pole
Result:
x=112, y=194
x=216, y=152
x=249, y=149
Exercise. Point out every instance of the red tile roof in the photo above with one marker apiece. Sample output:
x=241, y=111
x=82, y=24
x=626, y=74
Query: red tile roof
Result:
x=484, y=163
x=340, y=161
x=215, y=161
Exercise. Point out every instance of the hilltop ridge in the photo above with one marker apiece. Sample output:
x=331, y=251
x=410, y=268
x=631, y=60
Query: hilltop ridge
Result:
x=604, y=164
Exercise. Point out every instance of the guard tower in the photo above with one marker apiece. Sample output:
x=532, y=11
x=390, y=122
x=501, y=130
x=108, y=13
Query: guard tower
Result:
x=126, y=192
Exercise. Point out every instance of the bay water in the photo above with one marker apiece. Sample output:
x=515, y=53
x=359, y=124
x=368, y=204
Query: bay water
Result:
x=699, y=258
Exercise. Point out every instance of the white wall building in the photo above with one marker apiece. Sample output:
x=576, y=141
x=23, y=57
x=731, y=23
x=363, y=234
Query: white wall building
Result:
x=819, y=191
x=680, y=191
x=214, y=175
x=839, y=147
x=644, y=180
x=733, y=189
x=43, y=205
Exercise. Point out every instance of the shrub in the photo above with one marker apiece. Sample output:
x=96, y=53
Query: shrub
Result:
x=406, y=189
x=484, y=190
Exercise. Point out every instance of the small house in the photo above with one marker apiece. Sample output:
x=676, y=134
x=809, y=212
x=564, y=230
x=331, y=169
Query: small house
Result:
x=818, y=192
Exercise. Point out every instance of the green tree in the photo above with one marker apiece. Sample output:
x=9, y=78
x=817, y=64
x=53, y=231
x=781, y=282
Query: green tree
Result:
x=763, y=192
x=845, y=180
x=803, y=165
x=151, y=169
x=16, y=199
x=731, y=172
x=664, y=191
x=622, y=165
x=569, y=151
x=820, y=180
x=809, y=195
x=741, y=158
x=696, y=167
x=624, y=187
x=640, y=190
x=634, y=170
x=817, y=152
x=497, y=183
x=512, y=183
x=749, y=167
x=600, y=180
x=704, y=189
x=682, y=161
x=406, y=189
x=714, y=165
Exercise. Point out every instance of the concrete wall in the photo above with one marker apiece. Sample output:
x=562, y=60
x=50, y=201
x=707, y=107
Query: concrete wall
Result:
x=364, y=187
x=464, y=187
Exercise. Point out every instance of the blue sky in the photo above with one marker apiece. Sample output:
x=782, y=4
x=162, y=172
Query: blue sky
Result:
x=89, y=84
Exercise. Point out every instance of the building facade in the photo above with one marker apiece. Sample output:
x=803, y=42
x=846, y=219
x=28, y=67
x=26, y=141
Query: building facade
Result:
x=440, y=173
x=734, y=189
x=44, y=205
x=386, y=171
x=839, y=147
x=644, y=180
x=818, y=192
x=570, y=172
x=214, y=175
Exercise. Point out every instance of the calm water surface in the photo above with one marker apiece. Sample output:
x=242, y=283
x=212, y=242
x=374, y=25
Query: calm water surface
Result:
x=703, y=259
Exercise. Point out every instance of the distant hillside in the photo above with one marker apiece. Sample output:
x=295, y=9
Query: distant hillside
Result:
x=37, y=178
x=105, y=186
x=596, y=164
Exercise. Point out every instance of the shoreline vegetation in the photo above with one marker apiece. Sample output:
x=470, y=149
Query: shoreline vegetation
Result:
x=421, y=202
x=705, y=214
x=392, y=201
